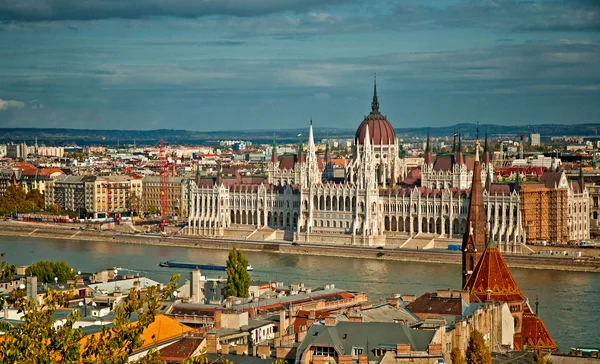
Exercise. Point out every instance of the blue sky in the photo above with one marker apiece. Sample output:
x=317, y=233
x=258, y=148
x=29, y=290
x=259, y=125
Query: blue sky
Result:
x=272, y=64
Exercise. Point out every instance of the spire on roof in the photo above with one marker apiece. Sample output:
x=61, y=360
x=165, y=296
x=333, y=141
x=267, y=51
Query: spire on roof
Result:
x=459, y=156
x=486, y=152
x=581, y=181
x=375, y=103
x=274, y=156
x=474, y=238
x=327, y=152
x=454, y=143
x=428, y=159
x=491, y=243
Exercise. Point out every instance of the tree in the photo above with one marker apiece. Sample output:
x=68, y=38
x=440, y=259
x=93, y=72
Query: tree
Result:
x=13, y=198
x=153, y=210
x=540, y=358
x=36, y=198
x=135, y=204
x=39, y=339
x=45, y=271
x=456, y=357
x=238, y=279
x=477, y=352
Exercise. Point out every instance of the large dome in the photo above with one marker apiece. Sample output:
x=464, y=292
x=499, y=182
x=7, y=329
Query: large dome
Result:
x=380, y=130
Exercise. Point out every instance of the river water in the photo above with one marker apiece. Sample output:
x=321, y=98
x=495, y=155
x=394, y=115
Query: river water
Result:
x=569, y=301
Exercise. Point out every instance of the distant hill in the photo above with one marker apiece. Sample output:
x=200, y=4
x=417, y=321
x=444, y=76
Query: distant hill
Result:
x=172, y=136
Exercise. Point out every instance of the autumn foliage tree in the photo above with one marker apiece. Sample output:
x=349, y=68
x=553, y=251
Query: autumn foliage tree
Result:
x=477, y=352
x=238, y=279
x=456, y=357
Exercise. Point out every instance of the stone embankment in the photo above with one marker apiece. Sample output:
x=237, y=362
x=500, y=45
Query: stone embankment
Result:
x=68, y=232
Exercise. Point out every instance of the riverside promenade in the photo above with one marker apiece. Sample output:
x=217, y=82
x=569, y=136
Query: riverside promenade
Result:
x=72, y=232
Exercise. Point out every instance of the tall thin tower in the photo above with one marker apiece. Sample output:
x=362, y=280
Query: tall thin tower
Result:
x=164, y=186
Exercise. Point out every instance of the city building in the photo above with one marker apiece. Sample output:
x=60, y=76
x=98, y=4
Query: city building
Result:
x=373, y=198
x=94, y=196
x=177, y=190
x=534, y=139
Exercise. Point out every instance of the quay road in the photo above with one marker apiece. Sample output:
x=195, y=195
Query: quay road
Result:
x=587, y=264
x=53, y=231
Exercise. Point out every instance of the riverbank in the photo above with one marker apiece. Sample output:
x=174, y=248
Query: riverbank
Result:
x=68, y=232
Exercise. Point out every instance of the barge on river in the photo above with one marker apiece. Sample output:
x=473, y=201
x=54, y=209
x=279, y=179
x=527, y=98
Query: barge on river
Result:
x=190, y=265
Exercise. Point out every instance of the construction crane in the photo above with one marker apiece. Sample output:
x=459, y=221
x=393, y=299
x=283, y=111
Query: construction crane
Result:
x=164, y=186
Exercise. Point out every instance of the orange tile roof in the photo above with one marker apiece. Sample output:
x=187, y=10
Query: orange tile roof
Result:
x=162, y=329
x=492, y=273
x=534, y=334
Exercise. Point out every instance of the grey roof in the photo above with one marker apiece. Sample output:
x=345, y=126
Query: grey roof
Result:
x=238, y=359
x=385, y=313
x=367, y=335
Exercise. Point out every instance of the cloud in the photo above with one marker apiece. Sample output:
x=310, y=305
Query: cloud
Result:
x=52, y=10
x=551, y=15
x=11, y=104
x=322, y=96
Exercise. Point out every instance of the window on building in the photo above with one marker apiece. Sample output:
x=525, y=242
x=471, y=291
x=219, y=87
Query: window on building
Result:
x=356, y=351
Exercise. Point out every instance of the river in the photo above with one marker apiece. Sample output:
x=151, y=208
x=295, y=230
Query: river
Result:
x=569, y=301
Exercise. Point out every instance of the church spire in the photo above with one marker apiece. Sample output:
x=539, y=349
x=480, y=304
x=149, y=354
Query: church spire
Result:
x=428, y=160
x=486, y=152
x=274, y=156
x=375, y=103
x=454, y=142
x=474, y=240
x=581, y=181
x=459, y=156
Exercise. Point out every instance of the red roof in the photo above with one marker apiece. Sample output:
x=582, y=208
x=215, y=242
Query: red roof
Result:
x=492, y=273
x=380, y=130
x=534, y=334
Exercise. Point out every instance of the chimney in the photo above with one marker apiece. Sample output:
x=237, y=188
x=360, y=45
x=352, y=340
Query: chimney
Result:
x=283, y=324
x=444, y=293
x=311, y=318
x=241, y=349
x=363, y=359
x=330, y=321
x=408, y=298
x=217, y=320
x=393, y=301
x=402, y=349
x=211, y=343
x=224, y=349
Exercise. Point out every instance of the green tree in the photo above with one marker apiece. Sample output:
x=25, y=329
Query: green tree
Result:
x=477, y=352
x=45, y=271
x=153, y=210
x=456, y=357
x=238, y=279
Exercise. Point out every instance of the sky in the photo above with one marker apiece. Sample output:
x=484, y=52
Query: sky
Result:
x=212, y=65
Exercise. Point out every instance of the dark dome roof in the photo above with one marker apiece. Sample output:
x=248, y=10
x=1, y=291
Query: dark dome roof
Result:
x=380, y=130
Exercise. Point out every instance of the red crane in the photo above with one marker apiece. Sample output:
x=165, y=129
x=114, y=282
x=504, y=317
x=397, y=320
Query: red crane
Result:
x=164, y=186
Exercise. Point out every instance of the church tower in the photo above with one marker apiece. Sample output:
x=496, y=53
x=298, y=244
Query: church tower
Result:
x=474, y=238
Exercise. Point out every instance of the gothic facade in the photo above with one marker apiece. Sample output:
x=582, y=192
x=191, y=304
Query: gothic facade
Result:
x=298, y=196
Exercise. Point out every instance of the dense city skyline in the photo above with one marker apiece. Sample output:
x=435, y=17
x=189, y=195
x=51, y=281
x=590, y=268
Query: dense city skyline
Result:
x=232, y=65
